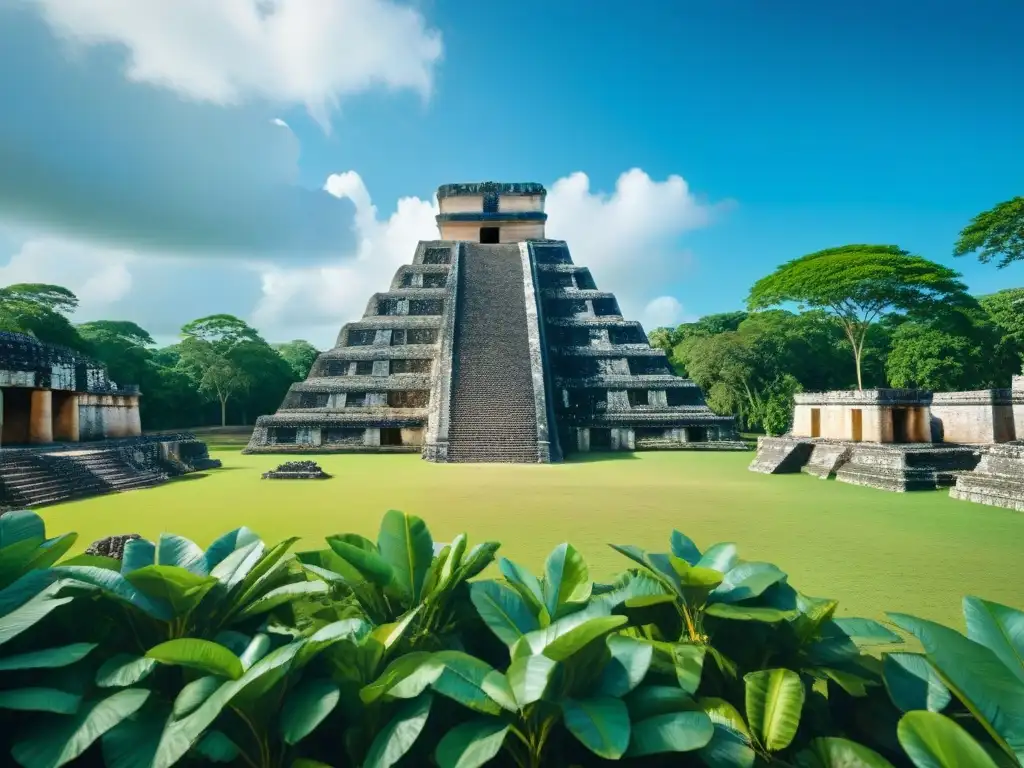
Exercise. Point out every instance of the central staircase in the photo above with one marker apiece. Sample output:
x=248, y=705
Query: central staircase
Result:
x=493, y=412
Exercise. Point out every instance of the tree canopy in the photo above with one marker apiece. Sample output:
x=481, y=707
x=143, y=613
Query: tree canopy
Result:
x=860, y=284
x=300, y=355
x=995, y=235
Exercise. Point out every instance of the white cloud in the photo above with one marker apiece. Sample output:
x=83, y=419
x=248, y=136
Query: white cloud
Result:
x=309, y=52
x=664, y=311
x=317, y=300
x=628, y=239
x=98, y=276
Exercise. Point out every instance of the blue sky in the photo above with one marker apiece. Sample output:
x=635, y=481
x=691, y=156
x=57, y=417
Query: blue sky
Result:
x=816, y=124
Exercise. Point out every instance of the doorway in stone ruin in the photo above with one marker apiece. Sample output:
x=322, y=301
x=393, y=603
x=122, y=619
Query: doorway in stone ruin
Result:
x=696, y=434
x=600, y=439
x=900, y=425
x=857, y=424
x=390, y=436
x=490, y=235
x=16, y=414
x=815, y=422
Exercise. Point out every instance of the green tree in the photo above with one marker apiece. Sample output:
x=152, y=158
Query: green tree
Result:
x=206, y=354
x=300, y=356
x=995, y=234
x=122, y=346
x=41, y=310
x=1006, y=310
x=859, y=284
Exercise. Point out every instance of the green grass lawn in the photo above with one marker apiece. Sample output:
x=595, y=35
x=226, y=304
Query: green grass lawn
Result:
x=872, y=550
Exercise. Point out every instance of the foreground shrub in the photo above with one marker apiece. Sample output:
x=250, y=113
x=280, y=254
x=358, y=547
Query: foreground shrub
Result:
x=393, y=652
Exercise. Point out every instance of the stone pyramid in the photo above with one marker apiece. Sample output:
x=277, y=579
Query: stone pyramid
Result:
x=492, y=346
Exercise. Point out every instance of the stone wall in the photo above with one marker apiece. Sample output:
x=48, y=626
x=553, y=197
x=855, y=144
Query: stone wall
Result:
x=978, y=417
x=107, y=416
x=835, y=415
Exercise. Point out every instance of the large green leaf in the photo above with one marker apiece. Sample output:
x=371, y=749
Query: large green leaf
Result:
x=1000, y=629
x=370, y=564
x=223, y=546
x=977, y=677
x=528, y=586
x=237, y=565
x=503, y=610
x=96, y=561
x=253, y=582
x=286, y=593
x=179, y=735
x=40, y=700
x=601, y=724
x=48, y=658
x=471, y=744
x=216, y=747
x=774, y=702
x=932, y=740
x=567, y=582
x=720, y=557
x=473, y=683
x=748, y=613
x=179, y=587
x=839, y=753
x=306, y=707
x=24, y=617
x=138, y=553
x=688, y=662
x=746, y=581
x=195, y=693
x=864, y=631
x=52, y=550
x=626, y=670
x=649, y=701
x=202, y=655
x=406, y=677
x=123, y=670
x=913, y=684
x=683, y=547
x=478, y=558
x=15, y=558
x=529, y=678
x=538, y=640
x=577, y=638
x=61, y=742
x=20, y=525
x=118, y=586
x=672, y=732
x=730, y=746
x=335, y=632
x=179, y=552
x=399, y=735
x=405, y=543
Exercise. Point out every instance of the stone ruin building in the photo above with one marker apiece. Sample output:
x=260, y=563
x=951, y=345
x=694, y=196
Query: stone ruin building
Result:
x=492, y=346
x=68, y=431
x=908, y=439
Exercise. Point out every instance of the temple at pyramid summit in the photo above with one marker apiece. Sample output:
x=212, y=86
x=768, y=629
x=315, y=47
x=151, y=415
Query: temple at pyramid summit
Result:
x=492, y=346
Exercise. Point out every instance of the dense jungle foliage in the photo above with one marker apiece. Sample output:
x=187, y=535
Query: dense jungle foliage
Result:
x=403, y=651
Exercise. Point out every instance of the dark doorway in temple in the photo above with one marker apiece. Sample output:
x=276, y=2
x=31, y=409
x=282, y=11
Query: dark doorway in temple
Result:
x=696, y=435
x=390, y=436
x=489, y=235
x=900, y=425
x=857, y=424
x=17, y=411
x=600, y=439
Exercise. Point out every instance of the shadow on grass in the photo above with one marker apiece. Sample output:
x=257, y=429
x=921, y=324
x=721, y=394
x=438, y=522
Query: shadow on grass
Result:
x=591, y=458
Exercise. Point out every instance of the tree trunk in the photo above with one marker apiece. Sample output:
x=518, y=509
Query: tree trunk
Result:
x=223, y=411
x=856, y=358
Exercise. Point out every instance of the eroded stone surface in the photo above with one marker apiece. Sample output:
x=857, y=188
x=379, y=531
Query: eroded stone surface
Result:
x=111, y=546
x=998, y=480
x=297, y=470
